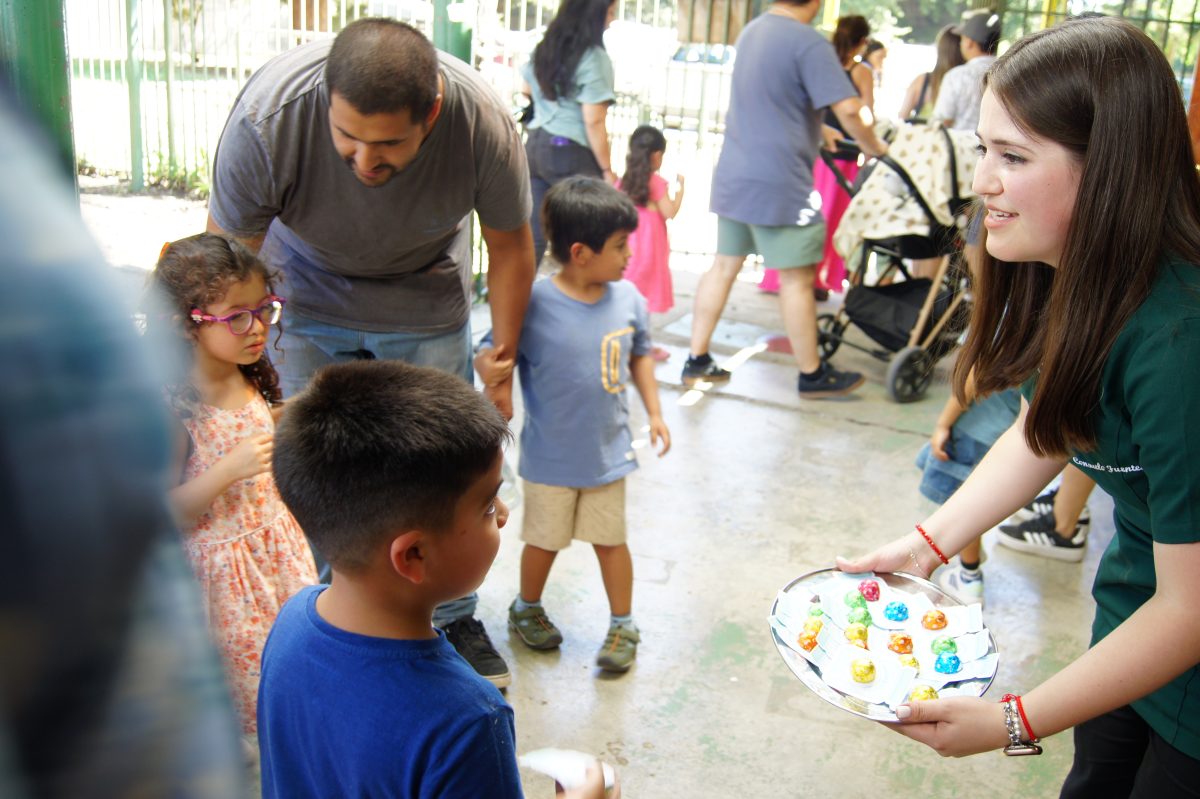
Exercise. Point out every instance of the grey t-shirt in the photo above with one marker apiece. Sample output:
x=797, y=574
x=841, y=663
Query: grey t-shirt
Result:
x=784, y=75
x=391, y=258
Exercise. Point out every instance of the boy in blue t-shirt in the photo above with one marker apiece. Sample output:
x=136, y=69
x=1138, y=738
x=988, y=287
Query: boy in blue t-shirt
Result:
x=392, y=470
x=585, y=337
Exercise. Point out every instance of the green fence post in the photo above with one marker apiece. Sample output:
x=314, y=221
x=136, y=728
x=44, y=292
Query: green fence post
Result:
x=33, y=51
x=133, y=76
x=451, y=31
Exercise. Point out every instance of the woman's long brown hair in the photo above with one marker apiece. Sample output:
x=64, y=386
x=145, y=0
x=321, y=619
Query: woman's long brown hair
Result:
x=1102, y=89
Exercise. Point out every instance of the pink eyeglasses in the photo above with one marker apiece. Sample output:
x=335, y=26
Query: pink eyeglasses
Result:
x=241, y=320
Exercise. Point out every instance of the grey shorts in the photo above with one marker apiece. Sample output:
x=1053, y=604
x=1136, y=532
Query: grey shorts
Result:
x=782, y=247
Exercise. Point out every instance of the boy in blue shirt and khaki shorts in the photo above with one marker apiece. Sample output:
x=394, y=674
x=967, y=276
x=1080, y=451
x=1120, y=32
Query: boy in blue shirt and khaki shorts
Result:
x=586, y=335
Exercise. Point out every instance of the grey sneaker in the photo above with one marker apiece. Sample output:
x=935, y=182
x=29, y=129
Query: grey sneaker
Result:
x=1038, y=536
x=703, y=368
x=829, y=383
x=952, y=580
x=533, y=627
x=620, y=648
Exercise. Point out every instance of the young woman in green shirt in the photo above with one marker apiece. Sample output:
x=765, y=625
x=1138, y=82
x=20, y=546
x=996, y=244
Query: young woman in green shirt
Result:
x=1089, y=298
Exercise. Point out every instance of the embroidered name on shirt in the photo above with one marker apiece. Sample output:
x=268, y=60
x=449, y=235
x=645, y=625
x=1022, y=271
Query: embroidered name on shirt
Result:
x=1103, y=467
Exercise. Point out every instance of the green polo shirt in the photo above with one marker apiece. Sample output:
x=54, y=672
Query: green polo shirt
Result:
x=1147, y=458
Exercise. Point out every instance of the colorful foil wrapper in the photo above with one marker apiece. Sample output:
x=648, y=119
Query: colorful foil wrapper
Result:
x=943, y=643
x=896, y=611
x=807, y=641
x=910, y=661
x=856, y=632
x=934, y=620
x=862, y=670
x=947, y=664
x=860, y=616
x=920, y=693
x=813, y=626
x=855, y=599
x=870, y=590
x=901, y=643
x=815, y=611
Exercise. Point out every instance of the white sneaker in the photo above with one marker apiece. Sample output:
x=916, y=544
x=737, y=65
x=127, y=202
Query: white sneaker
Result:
x=1040, y=506
x=950, y=579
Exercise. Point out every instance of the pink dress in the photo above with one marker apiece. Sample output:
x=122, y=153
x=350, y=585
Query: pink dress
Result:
x=831, y=272
x=247, y=551
x=648, y=266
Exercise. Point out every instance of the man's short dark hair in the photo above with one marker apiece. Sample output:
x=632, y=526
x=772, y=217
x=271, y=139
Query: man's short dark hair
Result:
x=374, y=448
x=382, y=66
x=587, y=211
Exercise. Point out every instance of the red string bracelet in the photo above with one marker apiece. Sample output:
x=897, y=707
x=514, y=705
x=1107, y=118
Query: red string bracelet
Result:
x=941, y=556
x=1033, y=738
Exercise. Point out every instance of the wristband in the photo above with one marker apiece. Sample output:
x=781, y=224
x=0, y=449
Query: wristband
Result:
x=933, y=546
x=1025, y=721
x=1013, y=716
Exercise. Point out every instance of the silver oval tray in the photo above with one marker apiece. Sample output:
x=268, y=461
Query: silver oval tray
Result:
x=810, y=675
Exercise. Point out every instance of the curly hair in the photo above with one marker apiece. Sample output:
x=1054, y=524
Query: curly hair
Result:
x=192, y=273
x=645, y=142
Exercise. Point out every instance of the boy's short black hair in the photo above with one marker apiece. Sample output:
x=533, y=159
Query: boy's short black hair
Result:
x=383, y=66
x=374, y=448
x=587, y=211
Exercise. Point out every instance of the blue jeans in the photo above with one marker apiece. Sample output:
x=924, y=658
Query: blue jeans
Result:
x=308, y=344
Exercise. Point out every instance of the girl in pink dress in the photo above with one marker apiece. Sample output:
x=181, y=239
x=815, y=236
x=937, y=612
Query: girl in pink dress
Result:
x=648, y=267
x=247, y=551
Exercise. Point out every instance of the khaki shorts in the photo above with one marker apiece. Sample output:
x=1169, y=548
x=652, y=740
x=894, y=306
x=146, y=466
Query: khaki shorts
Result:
x=783, y=247
x=556, y=515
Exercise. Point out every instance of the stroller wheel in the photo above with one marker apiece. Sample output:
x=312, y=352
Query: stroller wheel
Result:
x=908, y=374
x=829, y=335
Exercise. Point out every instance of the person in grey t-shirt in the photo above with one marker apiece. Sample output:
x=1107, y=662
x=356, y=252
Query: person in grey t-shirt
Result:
x=957, y=105
x=786, y=74
x=354, y=169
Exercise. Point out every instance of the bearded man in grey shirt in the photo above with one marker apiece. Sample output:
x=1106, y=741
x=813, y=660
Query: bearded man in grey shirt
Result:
x=353, y=168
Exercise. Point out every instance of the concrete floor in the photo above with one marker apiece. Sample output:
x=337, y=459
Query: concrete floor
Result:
x=758, y=488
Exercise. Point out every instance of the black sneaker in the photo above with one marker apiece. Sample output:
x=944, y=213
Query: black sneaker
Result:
x=1040, y=506
x=1038, y=536
x=703, y=368
x=829, y=382
x=470, y=640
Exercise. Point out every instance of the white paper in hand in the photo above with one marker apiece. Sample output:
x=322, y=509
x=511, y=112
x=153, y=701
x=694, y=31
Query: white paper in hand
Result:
x=567, y=767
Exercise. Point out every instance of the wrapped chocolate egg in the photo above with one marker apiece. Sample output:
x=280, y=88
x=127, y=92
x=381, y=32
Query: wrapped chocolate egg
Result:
x=934, y=620
x=813, y=626
x=855, y=599
x=856, y=632
x=815, y=611
x=943, y=643
x=807, y=641
x=870, y=590
x=896, y=611
x=862, y=670
x=908, y=661
x=920, y=693
x=900, y=643
x=860, y=616
x=947, y=664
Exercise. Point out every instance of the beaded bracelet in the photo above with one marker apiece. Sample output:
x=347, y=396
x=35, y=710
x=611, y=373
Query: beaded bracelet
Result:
x=941, y=556
x=1013, y=710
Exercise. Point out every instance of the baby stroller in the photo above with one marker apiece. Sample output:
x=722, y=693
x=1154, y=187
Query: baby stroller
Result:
x=915, y=321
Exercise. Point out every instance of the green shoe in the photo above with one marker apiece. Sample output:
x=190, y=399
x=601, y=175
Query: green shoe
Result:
x=533, y=627
x=620, y=648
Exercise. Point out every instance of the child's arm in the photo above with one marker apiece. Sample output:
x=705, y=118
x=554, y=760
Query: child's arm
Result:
x=941, y=429
x=492, y=366
x=667, y=205
x=946, y=419
x=251, y=457
x=642, y=368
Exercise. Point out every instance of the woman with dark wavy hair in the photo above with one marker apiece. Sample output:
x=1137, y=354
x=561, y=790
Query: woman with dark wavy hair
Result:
x=570, y=80
x=1089, y=299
